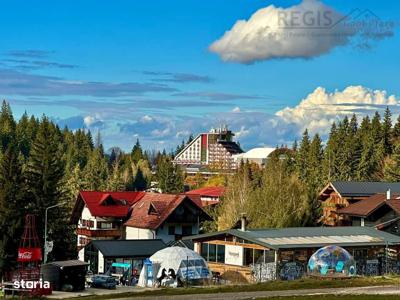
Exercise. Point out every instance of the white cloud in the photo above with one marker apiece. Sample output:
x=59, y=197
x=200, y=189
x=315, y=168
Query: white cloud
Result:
x=320, y=108
x=316, y=111
x=93, y=121
x=146, y=119
x=301, y=31
x=236, y=109
x=242, y=132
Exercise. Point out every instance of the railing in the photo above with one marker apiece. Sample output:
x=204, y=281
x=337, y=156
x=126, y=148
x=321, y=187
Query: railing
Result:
x=99, y=232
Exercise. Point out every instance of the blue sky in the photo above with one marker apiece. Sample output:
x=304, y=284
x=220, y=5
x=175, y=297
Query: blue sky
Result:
x=147, y=70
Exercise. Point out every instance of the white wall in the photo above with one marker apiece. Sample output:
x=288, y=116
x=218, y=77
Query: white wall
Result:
x=86, y=215
x=197, y=247
x=134, y=233
x=100, y=262
x=81, y=254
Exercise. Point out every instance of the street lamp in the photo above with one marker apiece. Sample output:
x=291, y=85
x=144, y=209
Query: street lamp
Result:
x=45, y=229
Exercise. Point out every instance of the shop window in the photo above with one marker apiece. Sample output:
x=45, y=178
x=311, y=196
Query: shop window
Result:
x=204, y=251
x=248, y=256
x=221, y=253
x=212, y=252
x=258, y=256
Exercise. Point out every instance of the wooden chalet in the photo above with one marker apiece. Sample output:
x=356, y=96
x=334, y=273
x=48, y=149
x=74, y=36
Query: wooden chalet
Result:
x=381, y=211
x=337, y=195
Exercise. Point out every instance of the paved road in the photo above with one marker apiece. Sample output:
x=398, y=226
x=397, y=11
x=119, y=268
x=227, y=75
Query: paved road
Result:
x=374, y=290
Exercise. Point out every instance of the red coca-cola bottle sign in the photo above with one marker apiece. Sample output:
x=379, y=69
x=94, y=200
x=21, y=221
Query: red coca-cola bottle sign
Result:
x=29, y=254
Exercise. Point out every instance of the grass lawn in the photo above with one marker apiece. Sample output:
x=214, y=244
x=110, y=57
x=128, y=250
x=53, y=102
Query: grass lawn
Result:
x=308, y=283
x=335, y=297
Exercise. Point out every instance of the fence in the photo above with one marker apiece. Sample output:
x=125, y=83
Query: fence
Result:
x=376, y=266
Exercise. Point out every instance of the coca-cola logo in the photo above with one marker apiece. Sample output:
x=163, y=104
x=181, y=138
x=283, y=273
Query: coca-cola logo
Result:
x=29, y=254
x=25, y=255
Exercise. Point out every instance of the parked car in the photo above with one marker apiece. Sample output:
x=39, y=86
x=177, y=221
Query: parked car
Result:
x=103, y=282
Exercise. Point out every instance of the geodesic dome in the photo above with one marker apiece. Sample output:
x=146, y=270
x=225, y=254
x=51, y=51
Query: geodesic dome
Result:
x=331, y=261
x=187, y=264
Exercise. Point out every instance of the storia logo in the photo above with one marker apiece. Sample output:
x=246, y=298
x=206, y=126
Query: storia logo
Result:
x=31, y=284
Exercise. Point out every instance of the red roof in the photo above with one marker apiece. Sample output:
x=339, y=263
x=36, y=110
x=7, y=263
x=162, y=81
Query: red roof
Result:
x=153, y=209
x=365, y=207
x=110, y=204
x=215, y=191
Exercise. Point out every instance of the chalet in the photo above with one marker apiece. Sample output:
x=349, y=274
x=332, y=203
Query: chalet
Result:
x=135, y=215
x=100, y=215
x=340, y=194
x=283, y=253
x=208, y=195
x=381, y=211
x=164, y=216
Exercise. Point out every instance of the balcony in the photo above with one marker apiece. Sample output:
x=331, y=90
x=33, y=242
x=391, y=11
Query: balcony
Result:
x=95, y=233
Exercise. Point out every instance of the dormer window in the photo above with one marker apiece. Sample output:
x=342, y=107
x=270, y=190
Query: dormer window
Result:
x=152, y=210
x=107, y=200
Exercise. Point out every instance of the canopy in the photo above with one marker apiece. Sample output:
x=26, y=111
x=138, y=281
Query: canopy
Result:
x=187, y=264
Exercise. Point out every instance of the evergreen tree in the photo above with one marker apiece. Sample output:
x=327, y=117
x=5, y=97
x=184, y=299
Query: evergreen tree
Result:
x=137, y=152
x=140, y=182
x=115, y=182
x=96, y=171
x=330, y=155
x=170, y=177
x=73, y=183
x=44, y=175
x=7, y=126
x=302, y=165
x=315, y=156
x=396, y=130
x=387, y=131
x=12, y=206
x=392, y=166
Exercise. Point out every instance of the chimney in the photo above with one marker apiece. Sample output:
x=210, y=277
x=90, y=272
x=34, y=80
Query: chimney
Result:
x=243, y=222
x=388, y=195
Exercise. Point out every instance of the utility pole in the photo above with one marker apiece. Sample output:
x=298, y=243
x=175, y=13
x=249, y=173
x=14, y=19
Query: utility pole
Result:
x=45, y=229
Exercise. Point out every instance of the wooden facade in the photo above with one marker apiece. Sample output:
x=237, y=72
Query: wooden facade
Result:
x=331, y=202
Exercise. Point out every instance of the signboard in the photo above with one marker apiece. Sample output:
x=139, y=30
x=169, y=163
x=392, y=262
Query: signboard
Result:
x=234, y=255
x=29, y=254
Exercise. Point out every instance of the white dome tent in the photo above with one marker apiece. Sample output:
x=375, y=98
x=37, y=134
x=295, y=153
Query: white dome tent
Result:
x=187, y=264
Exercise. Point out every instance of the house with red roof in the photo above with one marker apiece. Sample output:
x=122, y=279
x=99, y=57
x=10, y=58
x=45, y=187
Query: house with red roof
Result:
x=208, y=195
x=100, y=215
x=135, y=215
x=381, y=211
x=164, y=216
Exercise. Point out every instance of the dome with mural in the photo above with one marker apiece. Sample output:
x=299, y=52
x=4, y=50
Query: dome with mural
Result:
x=331, y=261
